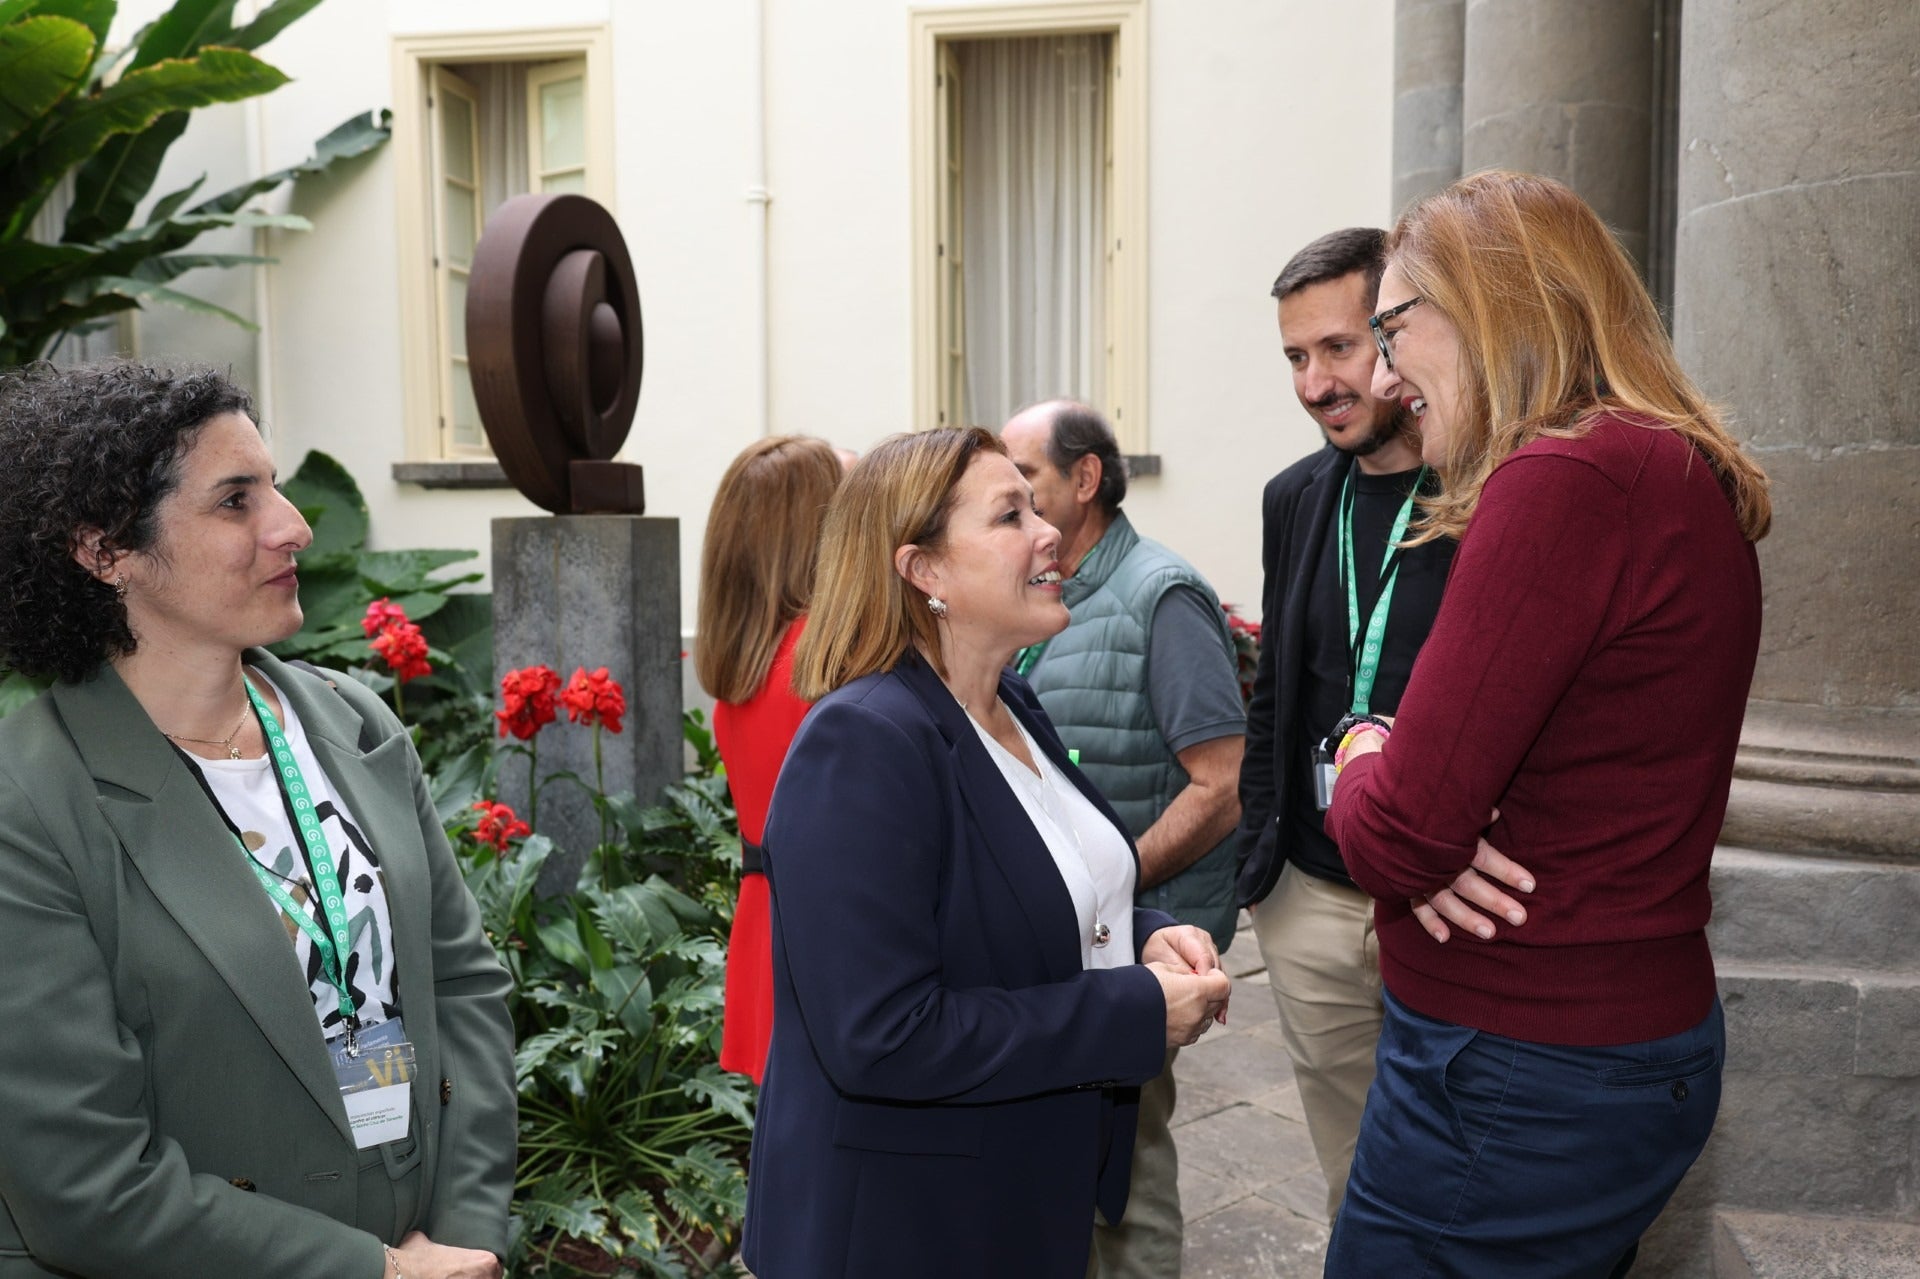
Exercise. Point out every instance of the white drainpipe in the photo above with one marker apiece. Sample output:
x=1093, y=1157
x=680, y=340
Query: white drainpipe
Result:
x=760, y=198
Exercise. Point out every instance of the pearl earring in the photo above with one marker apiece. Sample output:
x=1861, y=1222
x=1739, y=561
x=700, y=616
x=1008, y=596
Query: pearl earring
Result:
x=938, y=605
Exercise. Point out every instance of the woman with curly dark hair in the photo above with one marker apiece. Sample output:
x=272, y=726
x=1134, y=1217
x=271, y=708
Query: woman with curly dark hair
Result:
x=254, y=1025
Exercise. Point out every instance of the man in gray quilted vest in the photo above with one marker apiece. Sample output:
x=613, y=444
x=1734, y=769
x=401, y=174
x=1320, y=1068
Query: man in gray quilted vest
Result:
x=1142, y=684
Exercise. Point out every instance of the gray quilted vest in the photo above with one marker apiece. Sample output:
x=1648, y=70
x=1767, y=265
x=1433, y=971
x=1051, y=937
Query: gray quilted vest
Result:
x=1092, y=680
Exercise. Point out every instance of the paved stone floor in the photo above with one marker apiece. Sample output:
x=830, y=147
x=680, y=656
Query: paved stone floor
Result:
x=1251, y=1188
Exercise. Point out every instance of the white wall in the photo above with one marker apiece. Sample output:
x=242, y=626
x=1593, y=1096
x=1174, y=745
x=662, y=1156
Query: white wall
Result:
x=1269, y=123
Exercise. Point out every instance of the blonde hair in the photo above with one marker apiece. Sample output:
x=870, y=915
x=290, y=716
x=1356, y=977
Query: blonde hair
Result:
x=756, y=566
x=1555, y=330
x=865, y=615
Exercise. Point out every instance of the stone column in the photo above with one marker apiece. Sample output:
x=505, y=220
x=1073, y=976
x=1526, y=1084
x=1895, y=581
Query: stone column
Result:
x=590, y=591
x=1565, y=88
x=1795, y=304
x=1429, y=50
x=1795, y=287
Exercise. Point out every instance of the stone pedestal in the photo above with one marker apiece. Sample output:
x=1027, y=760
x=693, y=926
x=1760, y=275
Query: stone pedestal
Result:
x=1429, y=49
x=1565, y=88
x=591, y=591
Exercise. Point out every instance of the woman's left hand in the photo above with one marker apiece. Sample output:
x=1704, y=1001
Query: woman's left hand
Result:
x=1188, y=947
x=1475, y=887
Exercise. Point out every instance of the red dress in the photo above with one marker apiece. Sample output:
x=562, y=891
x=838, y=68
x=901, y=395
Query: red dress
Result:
x=753, y=737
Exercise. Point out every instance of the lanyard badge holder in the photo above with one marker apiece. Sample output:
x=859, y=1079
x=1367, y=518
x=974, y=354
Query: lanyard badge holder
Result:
x=1366, y=635
x=373, y=1067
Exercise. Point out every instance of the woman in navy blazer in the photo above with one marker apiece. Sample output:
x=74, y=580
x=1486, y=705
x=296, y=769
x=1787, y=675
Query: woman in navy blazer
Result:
x=956, y=1051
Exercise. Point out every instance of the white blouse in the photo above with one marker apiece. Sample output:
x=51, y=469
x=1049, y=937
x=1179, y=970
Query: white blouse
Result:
x=1088, y=849
x=249, y=792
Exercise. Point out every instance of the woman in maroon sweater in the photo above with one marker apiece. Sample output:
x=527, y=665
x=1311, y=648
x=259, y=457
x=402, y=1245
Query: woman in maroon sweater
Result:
x=1543, y=1088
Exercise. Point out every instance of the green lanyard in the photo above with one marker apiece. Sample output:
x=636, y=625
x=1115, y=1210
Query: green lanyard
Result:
x=1364, y=658
x=335, y=948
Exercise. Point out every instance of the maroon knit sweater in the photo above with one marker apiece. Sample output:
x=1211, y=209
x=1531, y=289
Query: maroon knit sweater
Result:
x=1586, y=675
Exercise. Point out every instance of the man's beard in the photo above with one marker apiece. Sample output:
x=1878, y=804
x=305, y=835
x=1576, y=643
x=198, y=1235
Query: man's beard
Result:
x=1397, y=425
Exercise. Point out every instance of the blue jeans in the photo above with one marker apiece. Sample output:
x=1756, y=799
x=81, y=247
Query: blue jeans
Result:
x=1485, y=1156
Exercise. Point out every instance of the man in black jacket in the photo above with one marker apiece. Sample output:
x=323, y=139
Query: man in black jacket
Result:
x=1345, y=613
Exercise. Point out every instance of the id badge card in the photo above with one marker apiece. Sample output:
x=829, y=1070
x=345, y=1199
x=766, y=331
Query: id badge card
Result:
x=1323, y=777
x=376, y=1084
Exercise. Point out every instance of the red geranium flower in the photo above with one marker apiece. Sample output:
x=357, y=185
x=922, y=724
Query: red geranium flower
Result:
x=596, y=698
x=527, y=695
x=497, y=825
x=381, y=614
x=1240, y=625
x=404, y=649
x=1246, y=648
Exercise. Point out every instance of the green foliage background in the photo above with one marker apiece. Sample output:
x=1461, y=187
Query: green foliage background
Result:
x=71, y=107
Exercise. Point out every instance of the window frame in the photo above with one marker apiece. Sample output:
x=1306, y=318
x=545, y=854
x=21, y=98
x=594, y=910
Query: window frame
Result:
x=449, y=364
x=1124, y=22
x=537, y=78
x=422, y=349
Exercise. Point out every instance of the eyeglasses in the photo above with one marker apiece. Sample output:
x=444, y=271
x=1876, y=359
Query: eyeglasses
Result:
x=1380, y=335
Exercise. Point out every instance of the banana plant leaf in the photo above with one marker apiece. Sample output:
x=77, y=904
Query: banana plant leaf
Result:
x=28, y=174
x=95, y=15
x=46, y=289
x=42, y=60
x=108, y=187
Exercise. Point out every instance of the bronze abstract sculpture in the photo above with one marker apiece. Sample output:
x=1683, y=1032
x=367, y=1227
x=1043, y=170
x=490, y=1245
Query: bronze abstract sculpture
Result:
x=554, y=347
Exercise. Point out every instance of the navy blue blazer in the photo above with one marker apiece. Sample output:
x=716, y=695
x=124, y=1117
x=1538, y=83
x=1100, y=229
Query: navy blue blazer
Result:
x=948, y=1092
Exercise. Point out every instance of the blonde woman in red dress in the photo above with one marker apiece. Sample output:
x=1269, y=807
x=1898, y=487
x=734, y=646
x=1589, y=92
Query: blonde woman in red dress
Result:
x=756, y=578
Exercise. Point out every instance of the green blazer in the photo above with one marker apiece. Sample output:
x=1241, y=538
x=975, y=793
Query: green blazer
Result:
x=167, y=1105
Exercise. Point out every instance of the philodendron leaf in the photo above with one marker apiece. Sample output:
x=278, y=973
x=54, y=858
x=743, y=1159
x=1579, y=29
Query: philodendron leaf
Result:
x=721, y=1090
x=322, y=485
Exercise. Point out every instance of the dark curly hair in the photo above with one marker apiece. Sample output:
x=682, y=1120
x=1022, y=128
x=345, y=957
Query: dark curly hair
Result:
x=93, y=447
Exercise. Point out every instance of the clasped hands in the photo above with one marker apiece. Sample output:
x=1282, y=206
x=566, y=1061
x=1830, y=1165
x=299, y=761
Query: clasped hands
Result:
x=1195, y=987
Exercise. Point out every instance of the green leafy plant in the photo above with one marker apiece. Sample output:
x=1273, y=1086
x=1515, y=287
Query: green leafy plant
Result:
x=16, y=690
x=449, y=709
x=630, y=1134
x=74, y=108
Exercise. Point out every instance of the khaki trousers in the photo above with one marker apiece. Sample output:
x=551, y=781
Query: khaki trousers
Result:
x=1146, y=1243
x=1323, y=962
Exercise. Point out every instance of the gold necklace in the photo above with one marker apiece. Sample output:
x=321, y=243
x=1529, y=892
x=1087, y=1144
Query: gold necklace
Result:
x=225, y=743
